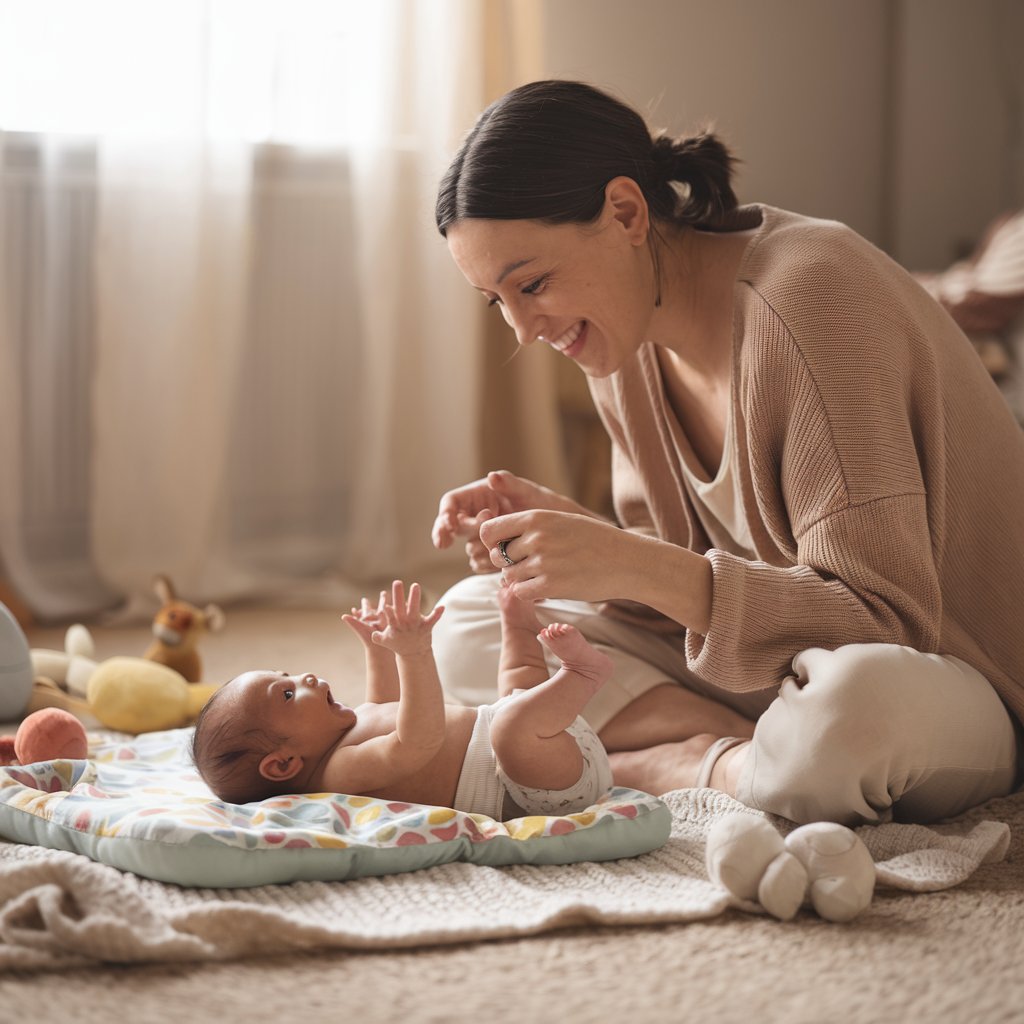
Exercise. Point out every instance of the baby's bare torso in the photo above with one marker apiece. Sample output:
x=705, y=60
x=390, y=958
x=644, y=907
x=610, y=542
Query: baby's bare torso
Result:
x=436, y=781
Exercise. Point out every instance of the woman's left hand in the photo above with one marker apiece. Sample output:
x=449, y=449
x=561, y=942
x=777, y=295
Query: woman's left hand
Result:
x=561, y=555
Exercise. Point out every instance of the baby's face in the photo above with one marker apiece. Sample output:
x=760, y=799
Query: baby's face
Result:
x=300, y=707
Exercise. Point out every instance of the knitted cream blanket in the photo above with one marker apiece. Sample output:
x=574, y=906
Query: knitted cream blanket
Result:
x=61, y=909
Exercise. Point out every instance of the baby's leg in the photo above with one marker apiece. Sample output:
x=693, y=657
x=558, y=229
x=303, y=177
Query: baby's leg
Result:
x=528, y=732
x=522, y=665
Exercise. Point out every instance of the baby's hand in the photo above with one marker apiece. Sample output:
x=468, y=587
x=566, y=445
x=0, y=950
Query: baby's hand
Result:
x=406, y=631
x=365, y=620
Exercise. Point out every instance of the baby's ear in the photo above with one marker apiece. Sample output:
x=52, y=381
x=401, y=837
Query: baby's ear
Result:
x=279, y=766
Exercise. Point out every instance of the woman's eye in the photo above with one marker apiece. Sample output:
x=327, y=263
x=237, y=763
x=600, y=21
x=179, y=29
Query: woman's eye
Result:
x=533, y=288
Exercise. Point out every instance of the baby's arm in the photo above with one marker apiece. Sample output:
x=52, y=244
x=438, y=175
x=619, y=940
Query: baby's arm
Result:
x=420, y=726
x=382, y=686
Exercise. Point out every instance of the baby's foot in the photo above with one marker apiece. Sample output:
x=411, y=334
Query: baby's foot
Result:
x=516, y=614
x=575, y=652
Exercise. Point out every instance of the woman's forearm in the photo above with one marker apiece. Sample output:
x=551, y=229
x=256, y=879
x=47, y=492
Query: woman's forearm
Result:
x=671, y=579
x=582, y=510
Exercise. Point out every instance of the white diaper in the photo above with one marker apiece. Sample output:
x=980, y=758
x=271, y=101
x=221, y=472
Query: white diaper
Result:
x=485, y=789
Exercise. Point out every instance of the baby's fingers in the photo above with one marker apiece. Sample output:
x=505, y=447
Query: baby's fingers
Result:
x=398, y=596
x=391, y=617
x=430, y=619
x=357, y=625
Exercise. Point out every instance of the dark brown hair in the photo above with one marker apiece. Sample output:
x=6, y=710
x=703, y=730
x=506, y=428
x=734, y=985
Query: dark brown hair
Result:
x=546, y=151
x=227, y=753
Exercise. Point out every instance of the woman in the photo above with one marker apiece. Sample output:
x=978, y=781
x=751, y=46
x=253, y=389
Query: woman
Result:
x=818, y=488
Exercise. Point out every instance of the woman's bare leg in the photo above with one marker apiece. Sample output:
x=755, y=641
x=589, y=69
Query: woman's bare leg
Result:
x=670, y=713
x=669, y=766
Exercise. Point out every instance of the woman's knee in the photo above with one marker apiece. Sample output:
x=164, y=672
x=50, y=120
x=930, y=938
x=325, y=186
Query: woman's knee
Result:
x=472, y=597
x=840, y=741
x=467, y=640
x=856, y=692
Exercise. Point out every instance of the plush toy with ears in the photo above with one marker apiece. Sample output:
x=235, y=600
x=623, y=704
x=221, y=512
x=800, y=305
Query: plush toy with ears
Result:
x=124, y=693
x=130, y=695
x=822, y=863
x=177, y=628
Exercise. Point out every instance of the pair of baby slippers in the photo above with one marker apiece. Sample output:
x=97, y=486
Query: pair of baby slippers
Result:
x=823, y=864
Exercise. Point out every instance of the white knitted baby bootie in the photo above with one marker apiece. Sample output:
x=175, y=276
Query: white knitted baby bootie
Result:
x=823, y=863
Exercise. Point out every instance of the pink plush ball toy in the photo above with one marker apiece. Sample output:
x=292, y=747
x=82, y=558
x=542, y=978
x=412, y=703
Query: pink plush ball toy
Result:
x=48, y=734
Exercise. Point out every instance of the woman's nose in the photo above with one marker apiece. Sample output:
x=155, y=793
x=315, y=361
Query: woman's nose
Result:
x=526, y=332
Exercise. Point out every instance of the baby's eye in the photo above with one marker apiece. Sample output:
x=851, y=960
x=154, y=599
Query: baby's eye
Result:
x=288, y=694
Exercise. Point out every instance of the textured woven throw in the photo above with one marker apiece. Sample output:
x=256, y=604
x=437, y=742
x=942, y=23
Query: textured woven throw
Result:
x=61, y=909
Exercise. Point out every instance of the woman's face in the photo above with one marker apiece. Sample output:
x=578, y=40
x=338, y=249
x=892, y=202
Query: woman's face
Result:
x=585, y=290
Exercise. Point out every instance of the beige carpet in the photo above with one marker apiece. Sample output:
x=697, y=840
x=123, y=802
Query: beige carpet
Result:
x=953, y=955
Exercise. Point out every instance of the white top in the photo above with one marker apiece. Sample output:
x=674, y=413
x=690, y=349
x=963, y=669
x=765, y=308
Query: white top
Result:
x=719, y=501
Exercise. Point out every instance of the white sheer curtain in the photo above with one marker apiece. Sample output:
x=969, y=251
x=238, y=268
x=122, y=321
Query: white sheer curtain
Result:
x=232, y=345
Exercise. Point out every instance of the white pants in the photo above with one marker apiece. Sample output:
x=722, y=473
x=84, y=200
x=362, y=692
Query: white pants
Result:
x=467, y=644
x=864, y=733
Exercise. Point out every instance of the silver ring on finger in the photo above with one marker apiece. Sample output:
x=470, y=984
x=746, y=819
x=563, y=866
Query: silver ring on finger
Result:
x=503, y=550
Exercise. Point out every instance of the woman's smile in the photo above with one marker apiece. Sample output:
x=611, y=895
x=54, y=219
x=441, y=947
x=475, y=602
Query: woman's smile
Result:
x=571, y=342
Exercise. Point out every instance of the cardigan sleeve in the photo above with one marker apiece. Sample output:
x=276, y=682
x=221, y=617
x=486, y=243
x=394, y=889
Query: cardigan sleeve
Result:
x=864, y=575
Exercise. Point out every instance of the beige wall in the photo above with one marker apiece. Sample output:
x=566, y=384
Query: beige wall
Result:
x=885, y=114
x=958, y=158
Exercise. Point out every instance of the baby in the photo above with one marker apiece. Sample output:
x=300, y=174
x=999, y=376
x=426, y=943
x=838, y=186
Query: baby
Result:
x=265, y=733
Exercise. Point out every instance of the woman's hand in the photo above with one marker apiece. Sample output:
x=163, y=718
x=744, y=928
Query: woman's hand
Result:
x=544, y=554
x=462, y=512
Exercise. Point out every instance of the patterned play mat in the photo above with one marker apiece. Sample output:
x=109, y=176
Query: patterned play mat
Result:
x=138, y=804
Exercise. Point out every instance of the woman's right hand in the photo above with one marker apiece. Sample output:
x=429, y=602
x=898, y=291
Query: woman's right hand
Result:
x=462, y=510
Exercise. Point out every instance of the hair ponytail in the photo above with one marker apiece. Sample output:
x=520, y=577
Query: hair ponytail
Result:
x=703, y=165
x=546, y=151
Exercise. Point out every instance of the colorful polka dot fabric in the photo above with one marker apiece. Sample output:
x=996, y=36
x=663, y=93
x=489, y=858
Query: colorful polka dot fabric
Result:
x=139, y=805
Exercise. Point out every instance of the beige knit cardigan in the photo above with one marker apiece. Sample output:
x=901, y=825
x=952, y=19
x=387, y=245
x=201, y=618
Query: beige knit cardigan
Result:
x=882, y=473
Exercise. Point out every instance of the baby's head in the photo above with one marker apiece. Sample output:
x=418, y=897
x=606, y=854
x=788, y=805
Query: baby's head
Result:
x=265, y=733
